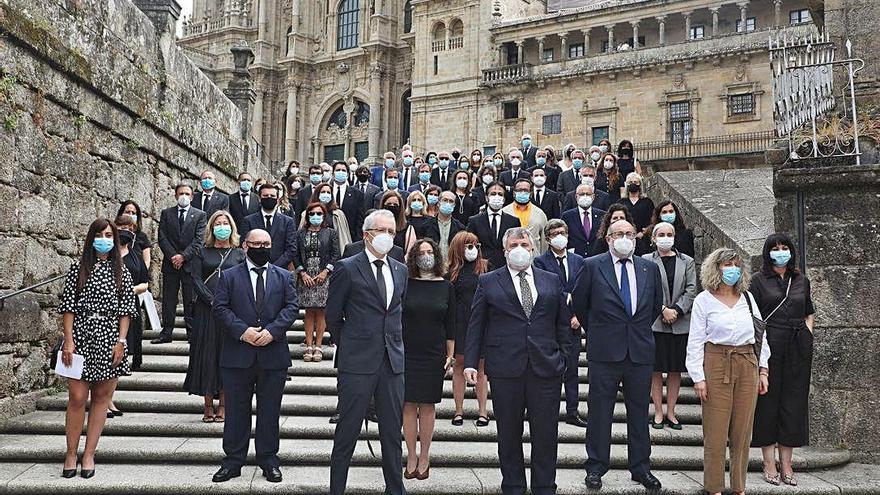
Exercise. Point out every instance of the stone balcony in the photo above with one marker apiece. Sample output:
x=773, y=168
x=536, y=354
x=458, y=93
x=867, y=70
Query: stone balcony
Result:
x=507, y=74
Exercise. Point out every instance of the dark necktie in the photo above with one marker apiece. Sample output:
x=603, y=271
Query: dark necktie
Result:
x=406, y=178
x=561, y=261
x=205, y=200
x=538, y=197
x=495, y=224
x=181, y=216
x=244, y=202
x=588, y=224
x=443, y=177
x=338, y=196
x=380, y=282
x=268, y=223
x=261, y=288
x=527, y=302
x=624, y=287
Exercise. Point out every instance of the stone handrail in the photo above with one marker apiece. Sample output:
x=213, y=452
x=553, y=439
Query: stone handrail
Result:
x=506, y=74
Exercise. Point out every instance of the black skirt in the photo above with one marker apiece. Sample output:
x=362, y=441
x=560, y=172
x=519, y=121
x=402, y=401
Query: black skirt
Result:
x=670, y=352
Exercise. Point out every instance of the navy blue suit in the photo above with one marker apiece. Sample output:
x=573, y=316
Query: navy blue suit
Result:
x=548, y=262
x=525, y=359
x=245, y=369
x=620, y=348
x=369, y=340
x=283, y=234
x=577, y=239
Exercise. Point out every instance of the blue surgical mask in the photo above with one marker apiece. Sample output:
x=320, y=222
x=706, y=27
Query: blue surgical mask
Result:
x=668, y=217
x=389, y=163
x=407, y=160
x=424, y=176
x=222, y=232
x=207, y=183
x=340, y=176
x=325, y=197
x=731, y=274
x=780, y=258
x=134, y=218
x=245, y=185
x=447, y=208
x=463, y=165
x=444, y=163
x=433, y=200
x=497, y=162
x=540, y=160
x=526, y=143
x=392, y=183
x=102, y=245
x=315, y=179
x=577, y=162
x=432, y=160
x=416, y=206
x=522, y=197
x=316, y=219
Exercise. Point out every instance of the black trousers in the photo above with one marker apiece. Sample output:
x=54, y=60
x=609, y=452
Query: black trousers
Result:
x=355, y=392
x=781, y=413
x=510, y=398
x=134, y=337
x=172, y=282
x=571, y=374
x=605, y=379
x=239, y=385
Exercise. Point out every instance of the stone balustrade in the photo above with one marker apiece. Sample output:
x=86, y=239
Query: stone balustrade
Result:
x=507, y=74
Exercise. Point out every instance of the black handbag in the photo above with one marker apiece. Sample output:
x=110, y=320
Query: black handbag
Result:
x=53, y=357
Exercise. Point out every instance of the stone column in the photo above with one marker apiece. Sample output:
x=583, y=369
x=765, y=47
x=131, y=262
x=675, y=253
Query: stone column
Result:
x=290, y=124
x=635, y=26
x=743, y=15
x=240, y=92
x=541, y=50
x=586, y=41
x=687, y=25
x=519, y=52
x=303, y=123
x=714, y=11
x=262, y=19
x=373, y=130
x=502, y=55
x=777, y=13
x=294, y=16
x=163, y=14
x=563, y=48
x=661, y=20
x=257, y=124
x=610, y=29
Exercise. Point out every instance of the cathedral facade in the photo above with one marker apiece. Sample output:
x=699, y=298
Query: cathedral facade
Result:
x=339, y=78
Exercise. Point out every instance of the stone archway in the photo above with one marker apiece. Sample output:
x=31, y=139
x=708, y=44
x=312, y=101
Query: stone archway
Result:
x=343, y=131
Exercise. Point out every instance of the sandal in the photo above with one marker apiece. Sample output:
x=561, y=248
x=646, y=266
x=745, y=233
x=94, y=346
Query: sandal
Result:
x=317, y=354
x=789, y=479
x=457, y=420
x=482, y=421
x=207, y=417
x=307, y=355
x=220, y=416
x=773, y=480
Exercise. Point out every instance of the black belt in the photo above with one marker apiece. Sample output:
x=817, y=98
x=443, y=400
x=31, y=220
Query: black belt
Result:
x=96, y=315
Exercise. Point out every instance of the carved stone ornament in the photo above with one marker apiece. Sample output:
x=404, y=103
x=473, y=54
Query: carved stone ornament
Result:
x=678, y=82
x=342, y=67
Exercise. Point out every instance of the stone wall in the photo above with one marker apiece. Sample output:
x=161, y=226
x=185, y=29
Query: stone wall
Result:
x=97, y=106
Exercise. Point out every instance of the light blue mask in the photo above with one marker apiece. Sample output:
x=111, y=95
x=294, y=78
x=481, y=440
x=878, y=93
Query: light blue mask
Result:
x=102, y=245
x=325, y=197
x=433, y=200
x=389, y=163
x=340, y=176
x=416, y=206
x=668, y=217
x=444, y=164
x=497, y=162
x=463, y=165
x=577, y=162
x=315, y=179
x=393, y=183
x=540, y=160
x=222, y=232
x=526, y=143
x=522, y=197
x=432, y=160
x=407, y=160
x=208, y=183
x=245, y=185
x=424, y=176
x=316, y=219
x=447, y=208
x=731, y=274
x=780, y=258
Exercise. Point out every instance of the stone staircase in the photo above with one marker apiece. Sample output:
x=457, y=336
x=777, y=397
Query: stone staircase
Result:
x=161, y=446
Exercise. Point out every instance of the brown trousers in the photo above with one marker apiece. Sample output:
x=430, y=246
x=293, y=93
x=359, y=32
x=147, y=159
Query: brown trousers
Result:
x=732, y=383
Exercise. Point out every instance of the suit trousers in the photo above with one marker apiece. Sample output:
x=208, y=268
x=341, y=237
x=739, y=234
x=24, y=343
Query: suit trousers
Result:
x=355, y=391
x=732, y=383
x=605, y=379
x=572, y=398
x=239, y=385
x=510, y=398
x=172, y=282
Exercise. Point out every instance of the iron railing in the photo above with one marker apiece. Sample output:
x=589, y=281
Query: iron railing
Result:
x=731, y=144
x=4, y=297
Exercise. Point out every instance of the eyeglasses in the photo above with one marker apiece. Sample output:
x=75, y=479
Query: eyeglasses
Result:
x=468, y=246
x=383, y=231
x=252, y=244
x=620, y=235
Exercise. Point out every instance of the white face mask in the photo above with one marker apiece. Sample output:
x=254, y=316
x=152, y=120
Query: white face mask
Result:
x=488, y=179
x=461, y=183
x=624, y=247
x=664, y=243
x=595, y=156
x=470, y=253
x=382, y=243
x=496, y=202
x=587, y=180
x=183, y=201
x=519, y=258
x=609, y=164
x=540, y=180
x=585, y=201
x=515, y=162
x=559, y=242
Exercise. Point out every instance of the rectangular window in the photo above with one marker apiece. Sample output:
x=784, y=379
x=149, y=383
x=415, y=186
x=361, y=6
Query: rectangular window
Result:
x=512, y=54
x=680, y=122
x=599, y=133
x=347, y=25
x=604, y=46
x=750, y=25
x=741, y=104
x=436, y=65
x=641, y=42
x=488, y=150
x=547, y=56
x=576, y=50
x=511, y=109
x=552, y=124
x=801, y=16
x=697, y=32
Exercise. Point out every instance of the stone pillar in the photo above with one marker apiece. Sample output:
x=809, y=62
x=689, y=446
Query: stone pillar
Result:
x=687, y=25
x=541, y=50
x=563, y=47
x=240, y=91
x=374, y=129
x=519, y=52
x=661, y=20
x=610, y=29
x=262, y=19
x=502, y=55
x=586, y=41
x=777, y=13
x=294, y=16
x=163, y=14
x=257, y=124
x=635, y=26
x=290, y=124
x=303, y=123
x=714, y=11
x=743, y=15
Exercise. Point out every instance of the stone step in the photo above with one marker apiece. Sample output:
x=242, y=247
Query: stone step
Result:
x=320, y=385
x=314, y=452
x=294, y=336
x=182, y=478
x=309, y=427
x=179, y=323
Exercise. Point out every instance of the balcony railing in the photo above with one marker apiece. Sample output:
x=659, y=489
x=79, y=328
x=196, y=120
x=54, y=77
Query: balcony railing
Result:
x=456, y=43
x=438, y=46
x=506, y=74
x=732, y=144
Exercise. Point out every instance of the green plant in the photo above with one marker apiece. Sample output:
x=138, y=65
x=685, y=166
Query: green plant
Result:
x=80, y=120
x=132, y=145
x=11, y=122
x=6, y=84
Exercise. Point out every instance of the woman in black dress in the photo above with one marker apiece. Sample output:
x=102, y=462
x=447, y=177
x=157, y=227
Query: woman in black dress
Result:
x=466, y=264
x=642, y=210
x=203, y=373
x=608, y=177
x=428, y=336
x=421, y=226
x=97, y=305
x=393, y=202
x=465, y=203
x=781, y=414
x=667, y=211
x=141, y=241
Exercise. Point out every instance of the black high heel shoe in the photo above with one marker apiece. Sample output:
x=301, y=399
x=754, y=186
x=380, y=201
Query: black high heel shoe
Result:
x=70, y=473
x=87, y=473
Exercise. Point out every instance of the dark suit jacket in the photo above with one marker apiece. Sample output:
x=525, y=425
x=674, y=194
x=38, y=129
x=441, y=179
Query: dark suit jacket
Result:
x=283, y=235
x=567, y=182
x=235, y=310
x=435, y=178
x=549, y=203
x=547, y=262
x=529, y=156
x=508, y=179
x=600, y=200
x=328, y=248
x=302, y=202
x=377, y=199
x=218, y=201
x=413, y=177
x=358, y=247
x=173, y=240
x=513, y=340
x=352, y=207
x=490, y=245
x=612, y=334
x=378, y=178
x=581, y=244
x=361, y=326
x=237, y=210
x=366, y=199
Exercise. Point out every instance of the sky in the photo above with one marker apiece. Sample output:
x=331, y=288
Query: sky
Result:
x=186, y=6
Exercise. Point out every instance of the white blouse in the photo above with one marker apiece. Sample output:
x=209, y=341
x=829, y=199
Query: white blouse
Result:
x=715, y=322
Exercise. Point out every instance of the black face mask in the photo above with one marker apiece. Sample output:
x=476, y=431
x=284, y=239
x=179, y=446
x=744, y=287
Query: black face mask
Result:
x=363, y=177
x=455, y=154
x=625, y=153
x=634, y=188
x=126, y=237
x=259, y=256
x=268, y=204
x=395, y=210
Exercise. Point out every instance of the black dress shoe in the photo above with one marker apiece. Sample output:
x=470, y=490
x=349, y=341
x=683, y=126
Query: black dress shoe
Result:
x=334, y=419
x=593, y=481
x=87, y=473
x=373, y=417
x=272, y=475
x=648, y=481
x=162, y=339
x=575, y=420
x=68, y=473
x=225, y=474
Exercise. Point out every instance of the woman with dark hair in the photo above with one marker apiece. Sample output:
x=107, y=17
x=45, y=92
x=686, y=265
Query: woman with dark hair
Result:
x=429, y=339
x=615, y=213
x=316, y=250
x=323, y=193
x=393, y=202
x=783, y=294
x=627, y=162
x=667, y=211
x=466, y=205
x=432, y=196
x=608, y=177
x=641, y=208
x=140, y=277
x=419, y=224
x=141, y=241
x=97, y=305
x=466, y=264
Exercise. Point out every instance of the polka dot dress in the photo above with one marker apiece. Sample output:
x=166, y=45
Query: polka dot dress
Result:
x=98, y=308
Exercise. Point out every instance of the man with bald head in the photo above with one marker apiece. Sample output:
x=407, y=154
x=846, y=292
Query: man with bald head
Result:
x=616, y=298
x=255, y=304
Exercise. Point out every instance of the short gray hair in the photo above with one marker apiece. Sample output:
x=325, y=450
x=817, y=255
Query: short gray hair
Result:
x=517, y=233
x=371, y=218
x=554, y=224
x=662, y=224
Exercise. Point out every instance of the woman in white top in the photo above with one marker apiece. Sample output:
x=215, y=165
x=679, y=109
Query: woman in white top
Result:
x=727, y=374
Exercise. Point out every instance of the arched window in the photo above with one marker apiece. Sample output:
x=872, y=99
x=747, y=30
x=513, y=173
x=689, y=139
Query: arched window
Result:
x=347, y=24
x=438, y=37
x=339, y=118
x=456, y=37
x=407, y=17
x=362, y=114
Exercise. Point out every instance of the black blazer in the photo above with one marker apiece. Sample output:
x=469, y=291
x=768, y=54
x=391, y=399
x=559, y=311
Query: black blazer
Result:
x=549, y=203
x=529, y=156
x=367, y=196
x=465, y=207
x=328, y=248
x=238, y=211
x=582, y=244
x=358, y=247
x=600, y=200
x=491, y=246
x=302, y=201
x=444, y=185
x=352, y=207
x=567, y=182
x=283, y=235
x=508, y=179
x=218, y=201
x=187, y=241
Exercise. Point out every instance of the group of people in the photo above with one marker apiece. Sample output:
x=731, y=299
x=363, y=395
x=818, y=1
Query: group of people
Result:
x=494, y=269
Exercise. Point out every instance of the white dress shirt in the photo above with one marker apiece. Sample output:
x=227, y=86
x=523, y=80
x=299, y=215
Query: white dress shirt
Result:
x=386, y=273
x=631, y=272
x=715, y=322
x=341, y=188
x=530, y=278
x=564, y=258
x=245, y=197
x=264, y=215
x=253, y=274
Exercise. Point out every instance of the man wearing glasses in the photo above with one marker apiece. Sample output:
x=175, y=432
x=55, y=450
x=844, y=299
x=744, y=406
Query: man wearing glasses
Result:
x=617, y=298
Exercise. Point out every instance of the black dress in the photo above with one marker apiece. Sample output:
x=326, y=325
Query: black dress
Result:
x=781, y=413
x=465, y=288
x=602, y=182
x=428, y=322
x=141, y=242
x=134, y=261
x=206, y=339
x=670, y=350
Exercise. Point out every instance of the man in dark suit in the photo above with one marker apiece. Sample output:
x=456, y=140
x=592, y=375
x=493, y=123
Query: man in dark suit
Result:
x=528, y=150
x=368, y=189
x=617, y=298
x=520, y=318
x=542, y=197
x=245, y=202
x=255, y=304
x=583, y=222
x=358, y=247
x=389, y=162
x=181, y=236
x=567, y=266
x=392, y=181
x=348, y=199
x=587, y=175
x=550, y=171
x=569, y=180
x=516, y=171
x=280, y=227
x=441, y=175
x=409, y=173
x=209, y=199
x=305, y=194
x=491, y=225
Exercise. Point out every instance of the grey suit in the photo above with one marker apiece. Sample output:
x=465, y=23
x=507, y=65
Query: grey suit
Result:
x=684, y=289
